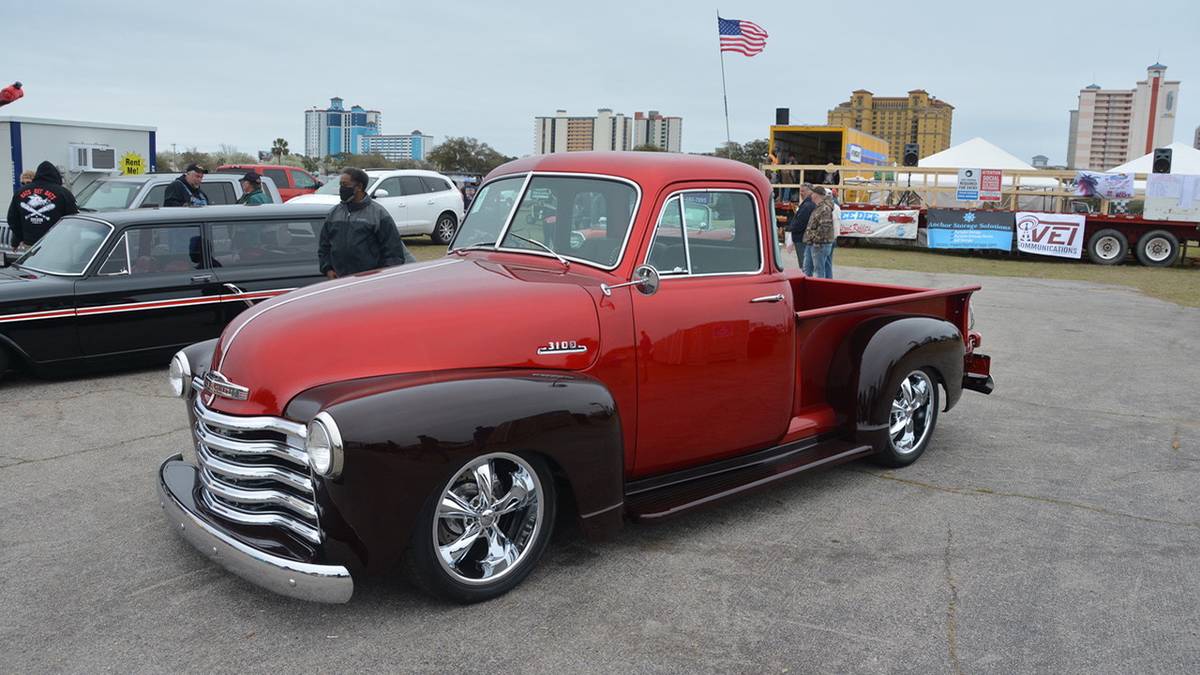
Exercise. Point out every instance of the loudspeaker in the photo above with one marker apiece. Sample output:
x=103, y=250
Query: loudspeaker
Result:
x=912, y=153
x=781, y=115
x=1162, y=160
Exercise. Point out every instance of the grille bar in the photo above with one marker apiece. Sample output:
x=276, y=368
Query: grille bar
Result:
x=238, y=471
x=269, y=519
x=254, y=497
x=209, y=436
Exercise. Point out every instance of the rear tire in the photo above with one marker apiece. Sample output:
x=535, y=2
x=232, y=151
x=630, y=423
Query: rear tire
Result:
x=1108, y=247
x=482, y=533
x=444, y=228
x=1158, y=248
x=912, y=418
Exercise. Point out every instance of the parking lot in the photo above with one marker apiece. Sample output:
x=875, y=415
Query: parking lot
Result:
x=1051, y=527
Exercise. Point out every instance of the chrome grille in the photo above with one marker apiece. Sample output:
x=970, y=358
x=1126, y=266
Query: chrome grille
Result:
x=254, y=471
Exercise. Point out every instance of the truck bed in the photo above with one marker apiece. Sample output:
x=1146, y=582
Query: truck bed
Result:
x=827, y=310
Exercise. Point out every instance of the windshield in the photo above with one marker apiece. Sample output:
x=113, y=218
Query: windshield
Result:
x=330, y=187
x=108, y=194
x=67, y=248
x=581, y=218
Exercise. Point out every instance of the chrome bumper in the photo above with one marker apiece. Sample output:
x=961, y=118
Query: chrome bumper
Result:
x=317, y=583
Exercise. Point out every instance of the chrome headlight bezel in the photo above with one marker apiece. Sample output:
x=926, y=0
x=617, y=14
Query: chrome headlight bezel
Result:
x=179, y=374
x=323, y=445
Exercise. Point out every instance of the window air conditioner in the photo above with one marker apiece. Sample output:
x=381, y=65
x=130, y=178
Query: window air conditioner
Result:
x=93, y=158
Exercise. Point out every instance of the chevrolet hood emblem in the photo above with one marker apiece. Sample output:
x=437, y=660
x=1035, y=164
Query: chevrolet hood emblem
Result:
x=217, y=384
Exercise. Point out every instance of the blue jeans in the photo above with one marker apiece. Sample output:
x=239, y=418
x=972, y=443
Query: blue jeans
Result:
x=804, y=253
x=822, y=260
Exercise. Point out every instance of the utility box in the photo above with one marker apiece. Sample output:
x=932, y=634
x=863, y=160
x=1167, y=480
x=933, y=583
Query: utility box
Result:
x=83, y=151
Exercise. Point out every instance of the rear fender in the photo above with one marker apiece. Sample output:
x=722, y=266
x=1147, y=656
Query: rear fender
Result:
x=406, y=435
x=877, y=354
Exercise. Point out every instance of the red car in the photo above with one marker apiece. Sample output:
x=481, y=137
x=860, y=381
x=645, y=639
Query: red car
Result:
x=445, y=414
x=291, y=181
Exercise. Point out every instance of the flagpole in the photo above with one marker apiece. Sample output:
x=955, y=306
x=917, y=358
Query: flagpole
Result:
x=724, y=93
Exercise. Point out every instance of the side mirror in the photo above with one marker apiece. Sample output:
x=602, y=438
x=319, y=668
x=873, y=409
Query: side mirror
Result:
x=317, y=185
x=645, y=278
x=380, y=193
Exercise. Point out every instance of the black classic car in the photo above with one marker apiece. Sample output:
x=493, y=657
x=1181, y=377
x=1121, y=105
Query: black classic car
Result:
x=132, y=287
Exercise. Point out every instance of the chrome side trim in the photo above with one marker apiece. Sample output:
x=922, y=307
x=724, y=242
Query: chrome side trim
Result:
x=248, y=518
x=305, y=581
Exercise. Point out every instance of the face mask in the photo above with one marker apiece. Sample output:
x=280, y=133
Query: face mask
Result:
x=346, y=193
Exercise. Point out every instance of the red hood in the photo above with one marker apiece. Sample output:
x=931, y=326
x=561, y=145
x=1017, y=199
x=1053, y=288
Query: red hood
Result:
x=453, y=313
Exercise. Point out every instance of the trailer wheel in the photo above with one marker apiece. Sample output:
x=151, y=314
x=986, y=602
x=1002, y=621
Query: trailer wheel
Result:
x=1108, y=247
x=1158, y=248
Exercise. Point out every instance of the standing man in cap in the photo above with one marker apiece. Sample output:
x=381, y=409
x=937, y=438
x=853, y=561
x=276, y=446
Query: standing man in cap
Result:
x=185, y=190
x=358, y=234
x=821, y=234
x=252, y=192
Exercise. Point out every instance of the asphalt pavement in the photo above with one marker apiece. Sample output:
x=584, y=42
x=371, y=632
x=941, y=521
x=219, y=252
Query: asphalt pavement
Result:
x=1051, y=527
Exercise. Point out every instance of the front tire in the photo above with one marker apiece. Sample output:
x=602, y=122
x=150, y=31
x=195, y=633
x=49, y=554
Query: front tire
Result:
x=1158, y=248
x=912, y=419
x=482, y=533
x=444, y=229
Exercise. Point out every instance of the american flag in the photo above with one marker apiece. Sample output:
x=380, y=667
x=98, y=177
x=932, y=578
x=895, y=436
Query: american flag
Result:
x=744, y=37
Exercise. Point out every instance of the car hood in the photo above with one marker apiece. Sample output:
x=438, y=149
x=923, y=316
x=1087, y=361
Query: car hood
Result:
x=314, y=198
x=450, y=314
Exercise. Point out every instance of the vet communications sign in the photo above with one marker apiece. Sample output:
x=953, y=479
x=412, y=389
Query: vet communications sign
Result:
x=1054, y=234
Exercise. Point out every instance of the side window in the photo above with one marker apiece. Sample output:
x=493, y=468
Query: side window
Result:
x=302, y=180
x=265, y=242
x=435, y=184
x=279, y=176
x=392, y=185
x=164, y=249
x=411, y=185
x=117, y=262
x=668, y=250
x=219, y=192
x=155, y=196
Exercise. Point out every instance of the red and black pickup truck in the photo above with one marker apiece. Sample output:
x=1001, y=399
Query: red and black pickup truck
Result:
x=611, y=335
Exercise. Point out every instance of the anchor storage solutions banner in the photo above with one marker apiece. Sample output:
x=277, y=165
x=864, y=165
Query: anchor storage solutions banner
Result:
x=970, y=229
x=890, y=224
x=1056, y=234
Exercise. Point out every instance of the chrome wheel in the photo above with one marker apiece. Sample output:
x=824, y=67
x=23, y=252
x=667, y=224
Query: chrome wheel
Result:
x=912, y=412
x=487, y=517
x=1108, y=248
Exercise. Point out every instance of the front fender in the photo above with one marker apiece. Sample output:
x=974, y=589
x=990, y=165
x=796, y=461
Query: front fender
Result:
x=878, y=352
x=405, y=435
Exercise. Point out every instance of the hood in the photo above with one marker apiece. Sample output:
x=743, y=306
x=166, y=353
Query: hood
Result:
x=450, y=314
x=314, y=198
x=48, y=173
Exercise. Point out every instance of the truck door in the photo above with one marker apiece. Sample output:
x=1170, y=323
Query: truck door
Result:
x=716, y=351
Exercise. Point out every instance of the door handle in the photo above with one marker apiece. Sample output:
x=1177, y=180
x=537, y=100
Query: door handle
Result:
x=778, y=297
x=202, y=278
x=429, y=202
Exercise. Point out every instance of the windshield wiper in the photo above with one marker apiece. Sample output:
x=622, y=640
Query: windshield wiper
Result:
x=476, y=247
x=566, y=263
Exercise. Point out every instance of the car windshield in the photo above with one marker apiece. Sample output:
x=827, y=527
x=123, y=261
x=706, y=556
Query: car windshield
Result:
x=67, y=248
x=108, y=194
x=331, y=186
x=584, y=219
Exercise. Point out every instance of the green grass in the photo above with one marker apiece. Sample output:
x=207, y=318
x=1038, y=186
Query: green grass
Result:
x=1179, y=284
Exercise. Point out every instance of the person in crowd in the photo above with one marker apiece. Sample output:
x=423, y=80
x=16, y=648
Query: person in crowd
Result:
x=820, y=234
x=252, y=192
x=185, y=190
x=832, y=175
x=798, y=225
x=26, y=177
x=358, y=234
x=790, y=176
x=37, y=205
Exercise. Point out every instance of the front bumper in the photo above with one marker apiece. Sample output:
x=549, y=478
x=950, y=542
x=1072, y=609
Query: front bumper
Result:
x=177, y=484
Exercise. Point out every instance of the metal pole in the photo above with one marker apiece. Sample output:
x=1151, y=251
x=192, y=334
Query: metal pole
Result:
x=724, y=93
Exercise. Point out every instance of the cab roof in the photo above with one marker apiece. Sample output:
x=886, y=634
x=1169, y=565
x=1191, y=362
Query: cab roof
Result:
x=154, y=215
x=651, y=170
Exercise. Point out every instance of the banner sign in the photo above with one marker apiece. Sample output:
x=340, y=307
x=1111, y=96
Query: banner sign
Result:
x=968, y=185
x=1104, y=185
x=989, y=184
x=1172, y=196
x=891, y=224
x=1056, y=234
x=970, y=229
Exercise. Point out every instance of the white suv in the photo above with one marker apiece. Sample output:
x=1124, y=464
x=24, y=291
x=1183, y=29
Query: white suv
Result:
x=421, y=202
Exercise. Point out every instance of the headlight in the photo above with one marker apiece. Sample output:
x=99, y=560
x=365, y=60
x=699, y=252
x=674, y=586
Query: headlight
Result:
x=324, y=446
x=179, y=374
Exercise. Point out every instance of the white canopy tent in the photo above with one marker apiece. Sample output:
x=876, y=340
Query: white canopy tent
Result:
x=978, y=153
x=1184, y=160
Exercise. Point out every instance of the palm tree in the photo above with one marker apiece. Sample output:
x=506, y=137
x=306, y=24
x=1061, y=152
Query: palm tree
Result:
x=279, y=148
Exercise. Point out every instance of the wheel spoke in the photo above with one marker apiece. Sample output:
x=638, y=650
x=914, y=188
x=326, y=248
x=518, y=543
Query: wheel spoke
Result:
x=900, y=425
x=454, y=551
x=922, y=393
x=485, y=480
x=519, y=495
x=501, y=552
x=898, y=408
x=454, y=506
x=906, y=391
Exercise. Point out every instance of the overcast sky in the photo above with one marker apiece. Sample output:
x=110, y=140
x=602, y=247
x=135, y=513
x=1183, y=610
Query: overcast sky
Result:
x=243, y=73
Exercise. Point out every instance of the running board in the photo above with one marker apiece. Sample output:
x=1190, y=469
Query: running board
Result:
x=659, y=497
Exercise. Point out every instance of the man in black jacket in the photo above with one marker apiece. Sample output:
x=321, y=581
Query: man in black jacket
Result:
x=359, y=234
x=38, y=205
x=800, y=222
x=185, y=190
